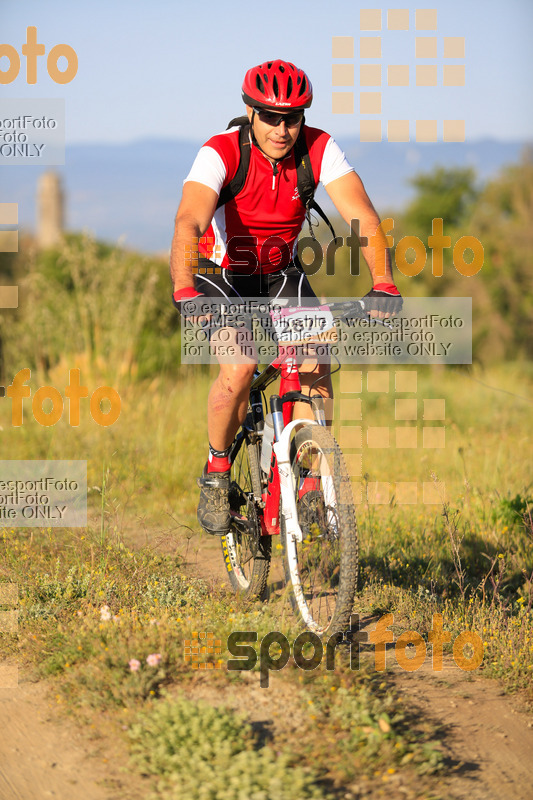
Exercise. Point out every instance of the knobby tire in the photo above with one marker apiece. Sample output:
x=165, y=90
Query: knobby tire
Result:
x=322, y=570
x=247, y=570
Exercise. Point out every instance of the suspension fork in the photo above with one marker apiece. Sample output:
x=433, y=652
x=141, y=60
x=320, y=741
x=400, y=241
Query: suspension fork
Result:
x=281, y=416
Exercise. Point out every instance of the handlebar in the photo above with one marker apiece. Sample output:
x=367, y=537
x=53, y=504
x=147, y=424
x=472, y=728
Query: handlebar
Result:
x=354, y=309
x=349, y=309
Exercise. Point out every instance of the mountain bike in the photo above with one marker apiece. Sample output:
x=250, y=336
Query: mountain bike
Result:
x=293, y=483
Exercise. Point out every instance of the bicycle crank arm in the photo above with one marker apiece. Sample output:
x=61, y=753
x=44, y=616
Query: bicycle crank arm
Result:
x=240, y=523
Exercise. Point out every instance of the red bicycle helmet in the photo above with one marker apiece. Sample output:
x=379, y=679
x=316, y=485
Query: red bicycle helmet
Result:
x=277, y=84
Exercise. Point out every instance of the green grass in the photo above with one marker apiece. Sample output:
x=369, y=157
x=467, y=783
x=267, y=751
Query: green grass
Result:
x=204, y=753
x=94, y=602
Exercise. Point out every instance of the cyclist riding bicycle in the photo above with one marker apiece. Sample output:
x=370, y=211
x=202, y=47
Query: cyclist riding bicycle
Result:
x=265, y=213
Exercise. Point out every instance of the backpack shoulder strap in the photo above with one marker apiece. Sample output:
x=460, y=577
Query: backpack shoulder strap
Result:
x=306, y=182
x=304, y=170
x=238, y=121
x=233, y=188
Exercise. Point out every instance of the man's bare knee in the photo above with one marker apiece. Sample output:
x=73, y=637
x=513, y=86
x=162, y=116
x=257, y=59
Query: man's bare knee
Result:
x=236, y=378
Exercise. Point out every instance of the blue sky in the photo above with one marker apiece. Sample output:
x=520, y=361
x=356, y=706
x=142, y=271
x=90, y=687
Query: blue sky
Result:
x=167, y=69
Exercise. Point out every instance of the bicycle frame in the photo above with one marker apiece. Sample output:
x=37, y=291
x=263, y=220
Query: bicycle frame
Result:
x=282, y=408
x=279, y=481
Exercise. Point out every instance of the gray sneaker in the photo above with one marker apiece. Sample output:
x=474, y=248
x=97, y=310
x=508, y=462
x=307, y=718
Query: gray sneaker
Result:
x=213, y=507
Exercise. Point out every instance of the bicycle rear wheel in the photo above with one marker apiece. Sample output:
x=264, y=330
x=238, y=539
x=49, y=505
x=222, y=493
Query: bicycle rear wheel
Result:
x=322, y=569
x=246, y=552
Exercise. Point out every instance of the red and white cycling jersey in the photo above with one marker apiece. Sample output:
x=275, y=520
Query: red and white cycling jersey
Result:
x=258, y=229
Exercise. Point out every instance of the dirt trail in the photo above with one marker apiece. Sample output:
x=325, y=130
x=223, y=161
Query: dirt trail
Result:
x=43, y=755
x=488, y=739
x=487, y=736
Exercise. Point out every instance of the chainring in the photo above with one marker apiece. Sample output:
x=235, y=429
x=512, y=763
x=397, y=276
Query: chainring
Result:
x=254, y=526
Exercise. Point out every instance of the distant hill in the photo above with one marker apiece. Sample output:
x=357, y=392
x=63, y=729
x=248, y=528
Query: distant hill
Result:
x=132, y=190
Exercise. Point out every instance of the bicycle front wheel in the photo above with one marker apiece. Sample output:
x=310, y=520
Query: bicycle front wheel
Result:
x=322, y=569
x=246, y=552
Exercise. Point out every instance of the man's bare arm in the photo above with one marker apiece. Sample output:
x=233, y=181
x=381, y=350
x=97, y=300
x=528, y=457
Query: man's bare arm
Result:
x=195, y=212
x=352, y=202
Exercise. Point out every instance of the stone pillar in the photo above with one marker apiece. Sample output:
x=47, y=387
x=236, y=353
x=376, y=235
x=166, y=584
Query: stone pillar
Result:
x=50, y=210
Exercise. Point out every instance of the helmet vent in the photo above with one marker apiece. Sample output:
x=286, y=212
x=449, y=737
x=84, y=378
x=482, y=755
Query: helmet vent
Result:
x=289, y=86
x=277, y=83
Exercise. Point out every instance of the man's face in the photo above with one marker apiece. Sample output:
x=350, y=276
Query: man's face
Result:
x=277, y=141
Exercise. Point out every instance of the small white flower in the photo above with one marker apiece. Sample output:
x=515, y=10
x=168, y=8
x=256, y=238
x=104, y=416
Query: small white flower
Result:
x=134, y=665
x=153, y=659
x=105, y=614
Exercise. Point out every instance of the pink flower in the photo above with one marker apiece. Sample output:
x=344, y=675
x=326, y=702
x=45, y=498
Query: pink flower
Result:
x=105, y=614
x=153, y=659
x=134, y=665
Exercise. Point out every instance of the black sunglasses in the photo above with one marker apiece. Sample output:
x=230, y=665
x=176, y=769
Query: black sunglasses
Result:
x=273, y=118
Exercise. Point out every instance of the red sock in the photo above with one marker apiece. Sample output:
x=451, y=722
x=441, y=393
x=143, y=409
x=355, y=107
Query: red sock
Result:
x=218, y=463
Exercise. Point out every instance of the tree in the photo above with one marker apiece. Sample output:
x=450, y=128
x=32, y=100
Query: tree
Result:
x=448, y=194
x=502, y=222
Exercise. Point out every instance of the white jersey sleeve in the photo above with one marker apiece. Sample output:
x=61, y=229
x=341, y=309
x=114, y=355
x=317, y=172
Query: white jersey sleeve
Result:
x=334, y=163
x=208, y=168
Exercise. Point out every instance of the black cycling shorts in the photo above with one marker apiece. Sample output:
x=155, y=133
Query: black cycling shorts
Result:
x=249, y=296
x=290, y=283
x=283, y=302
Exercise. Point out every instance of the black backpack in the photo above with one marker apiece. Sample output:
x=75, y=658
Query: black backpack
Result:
x=304, y=173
